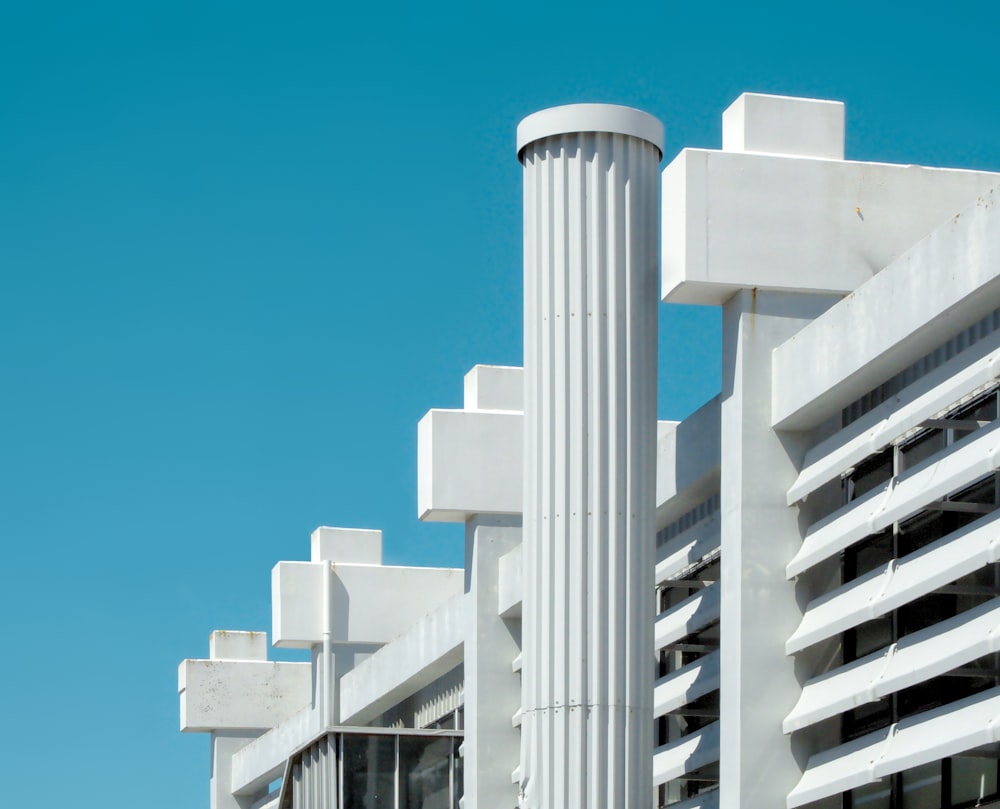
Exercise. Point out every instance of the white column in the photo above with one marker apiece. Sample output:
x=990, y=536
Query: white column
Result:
x=224, y=744
x=492, y=695
x=590, y=307
x=759, y=764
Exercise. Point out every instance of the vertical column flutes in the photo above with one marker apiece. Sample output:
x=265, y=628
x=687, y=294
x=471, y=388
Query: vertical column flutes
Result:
x=591, y=213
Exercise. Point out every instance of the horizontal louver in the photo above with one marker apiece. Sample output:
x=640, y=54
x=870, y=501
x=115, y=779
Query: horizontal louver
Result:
x=899, y=582
x=687, y=684
x=915, y=659
x=688, y=548
x=687, y=754
x=926, y=483
x=968, y=373
x=690, y=616
x=916, y=740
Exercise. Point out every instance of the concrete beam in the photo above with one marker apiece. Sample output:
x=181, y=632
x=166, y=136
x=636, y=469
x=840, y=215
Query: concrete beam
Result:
x=240, y=694
x=469, y=462
x=945, y=283
x=736, y=220
x=359, y=596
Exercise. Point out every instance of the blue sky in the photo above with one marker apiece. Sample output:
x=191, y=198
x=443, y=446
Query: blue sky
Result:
x=245, y=246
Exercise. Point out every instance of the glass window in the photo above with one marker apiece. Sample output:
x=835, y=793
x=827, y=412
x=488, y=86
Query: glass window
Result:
x=369, y=771
x=866, y=718
x=459, y=772
x=925, y=528
x=870, y=637
x=868, y=555
x=922, y=787
x=924, y=612
x=921, y=448
x=872, y=796
x=874, y=473
x=425, y=772
x=984, y=409
x=972, y=779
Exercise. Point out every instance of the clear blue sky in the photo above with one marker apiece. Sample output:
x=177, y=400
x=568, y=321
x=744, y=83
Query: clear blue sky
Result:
x=245, y=246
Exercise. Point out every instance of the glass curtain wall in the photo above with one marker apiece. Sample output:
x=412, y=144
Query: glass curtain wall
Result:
x=385, y=770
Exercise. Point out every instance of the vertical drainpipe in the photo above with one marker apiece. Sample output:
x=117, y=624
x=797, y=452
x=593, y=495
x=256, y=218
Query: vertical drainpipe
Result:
x=326, y=711
x=591, y=213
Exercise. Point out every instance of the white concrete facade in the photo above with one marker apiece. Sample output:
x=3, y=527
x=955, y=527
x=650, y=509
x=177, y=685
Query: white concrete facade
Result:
x=789, y=599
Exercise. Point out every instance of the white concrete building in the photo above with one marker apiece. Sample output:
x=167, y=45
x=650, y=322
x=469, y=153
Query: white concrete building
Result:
x=790, y=599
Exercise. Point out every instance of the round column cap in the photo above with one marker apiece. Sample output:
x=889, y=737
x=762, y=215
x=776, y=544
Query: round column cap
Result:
x=611, y=118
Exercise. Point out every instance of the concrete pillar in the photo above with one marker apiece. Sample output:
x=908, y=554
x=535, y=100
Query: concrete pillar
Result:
x=590, y=308
x=224, y=744
x=760, y=534
x=492, y=691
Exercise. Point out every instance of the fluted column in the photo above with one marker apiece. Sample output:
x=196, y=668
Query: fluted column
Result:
x=590, y=313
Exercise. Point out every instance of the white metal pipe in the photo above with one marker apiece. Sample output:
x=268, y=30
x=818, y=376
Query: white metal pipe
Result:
x=326, y=717
x=591, y=213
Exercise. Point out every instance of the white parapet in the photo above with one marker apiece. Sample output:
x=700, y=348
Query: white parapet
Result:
x=946, y=282
x=970, y=371
x=688, y=455
x=428, y=649
x=590, y=319
x=839, y=222
x=359, y=614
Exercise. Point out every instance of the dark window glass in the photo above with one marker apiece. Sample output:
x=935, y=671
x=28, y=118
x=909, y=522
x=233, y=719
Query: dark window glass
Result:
x=706, y=710
x=369, y=771
x=924, y=612
x=871, y=796
x=922, y=447
x=459, y=772
x=424, y=773
x=874, y=473
x=922, y=530
x=982, y=410
x=872, y=636
x=973, y=778
x=866, y=718
x=869, y=554
x=921, y=787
